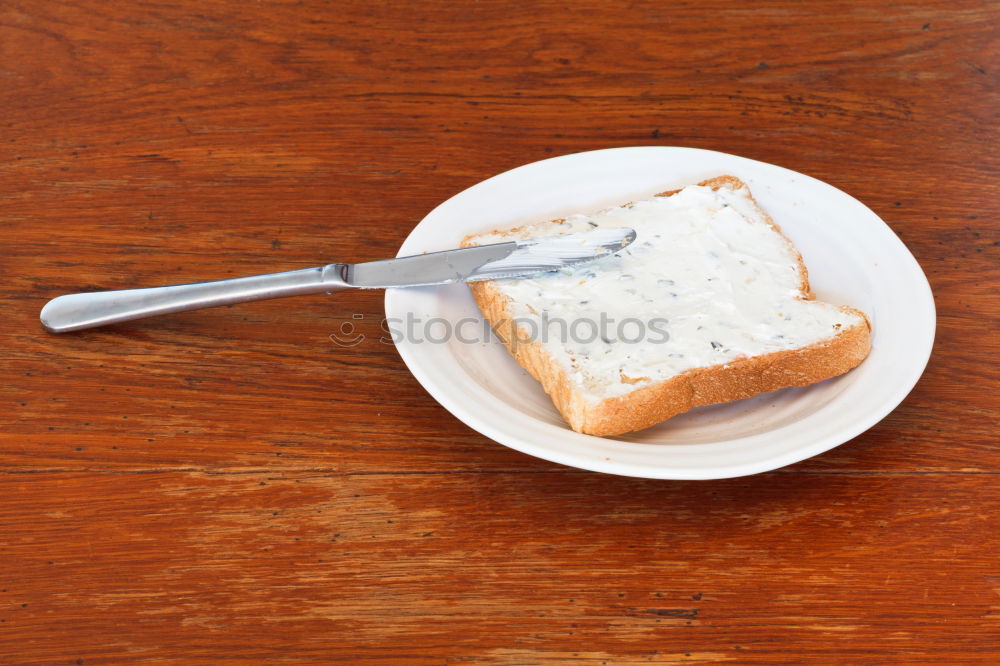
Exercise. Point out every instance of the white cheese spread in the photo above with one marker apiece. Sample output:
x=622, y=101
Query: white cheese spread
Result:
x=707, y=281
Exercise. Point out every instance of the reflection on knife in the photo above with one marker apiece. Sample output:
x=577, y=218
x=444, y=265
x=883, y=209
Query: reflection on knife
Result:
x=485, y=262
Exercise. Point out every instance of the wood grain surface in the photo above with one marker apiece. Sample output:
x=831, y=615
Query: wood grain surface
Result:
x=229, y=486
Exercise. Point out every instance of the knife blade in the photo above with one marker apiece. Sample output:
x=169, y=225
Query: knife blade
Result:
x=490, y=262
x=75, y=312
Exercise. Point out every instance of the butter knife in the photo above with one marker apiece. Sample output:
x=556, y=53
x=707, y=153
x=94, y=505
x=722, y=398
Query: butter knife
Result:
x=498, y=261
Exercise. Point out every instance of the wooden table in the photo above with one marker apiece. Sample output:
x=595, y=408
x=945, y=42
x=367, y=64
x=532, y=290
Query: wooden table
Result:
x=231, y=486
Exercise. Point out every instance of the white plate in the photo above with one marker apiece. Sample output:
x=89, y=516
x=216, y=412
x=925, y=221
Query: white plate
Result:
x=852, y=256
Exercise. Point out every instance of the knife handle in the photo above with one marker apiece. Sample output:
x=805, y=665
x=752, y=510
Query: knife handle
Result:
x=75, y=312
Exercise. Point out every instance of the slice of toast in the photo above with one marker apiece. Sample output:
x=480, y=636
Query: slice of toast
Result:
x=710, y=304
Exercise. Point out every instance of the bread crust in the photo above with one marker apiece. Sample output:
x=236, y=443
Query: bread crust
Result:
x=697, y=387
